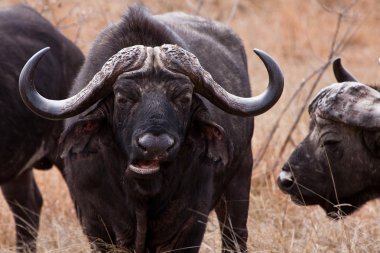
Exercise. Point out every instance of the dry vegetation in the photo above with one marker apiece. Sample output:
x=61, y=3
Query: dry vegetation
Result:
x=299, y=35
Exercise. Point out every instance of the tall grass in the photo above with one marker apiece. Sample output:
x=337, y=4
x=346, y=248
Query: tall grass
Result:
x=298, y=35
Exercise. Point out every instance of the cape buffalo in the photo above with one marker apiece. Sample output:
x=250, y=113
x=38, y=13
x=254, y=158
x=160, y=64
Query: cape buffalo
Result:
x=337, y=165
x=156, y=141
x=28, y=141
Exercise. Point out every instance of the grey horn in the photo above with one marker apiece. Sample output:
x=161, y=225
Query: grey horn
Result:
x=127, y=59
x=177, y=59
x=132, y=60
x=342, y=74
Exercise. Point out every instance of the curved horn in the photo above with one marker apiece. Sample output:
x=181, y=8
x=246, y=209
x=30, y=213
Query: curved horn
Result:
x=342, y=74
x=177, y=59
x=127, y=59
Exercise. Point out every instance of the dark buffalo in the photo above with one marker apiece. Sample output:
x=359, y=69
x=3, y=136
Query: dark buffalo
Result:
x=337, y=165
x=28, y=141
x=153, y=145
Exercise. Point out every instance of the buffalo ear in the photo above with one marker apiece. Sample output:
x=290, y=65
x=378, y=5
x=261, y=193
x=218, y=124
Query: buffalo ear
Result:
x=77, y=136
x=372, y=141
x=213, y=134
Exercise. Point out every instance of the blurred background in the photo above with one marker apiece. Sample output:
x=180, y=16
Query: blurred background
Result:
x=303, y=36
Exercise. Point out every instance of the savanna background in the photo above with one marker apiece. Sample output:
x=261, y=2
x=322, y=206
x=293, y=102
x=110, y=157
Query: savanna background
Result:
x=303, y=36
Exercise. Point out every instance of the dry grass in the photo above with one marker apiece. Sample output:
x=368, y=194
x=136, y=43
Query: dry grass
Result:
x=298, y=34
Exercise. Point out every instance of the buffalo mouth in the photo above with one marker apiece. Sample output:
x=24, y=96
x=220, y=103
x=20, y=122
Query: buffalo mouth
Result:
x=332, y=210
x=298, y=200
x=145, y=168
x=337, y=212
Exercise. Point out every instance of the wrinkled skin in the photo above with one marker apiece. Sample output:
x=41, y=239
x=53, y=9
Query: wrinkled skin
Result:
x=335, y=166
x=28, y=141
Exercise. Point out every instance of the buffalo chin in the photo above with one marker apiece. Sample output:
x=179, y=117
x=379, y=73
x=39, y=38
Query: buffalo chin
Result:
x=298, y=201
x=350, y=204
x=337, y=212
x=143, y=182
x=334, y=212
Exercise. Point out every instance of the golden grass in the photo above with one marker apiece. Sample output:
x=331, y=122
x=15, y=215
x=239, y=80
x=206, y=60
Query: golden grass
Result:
x=298, y=34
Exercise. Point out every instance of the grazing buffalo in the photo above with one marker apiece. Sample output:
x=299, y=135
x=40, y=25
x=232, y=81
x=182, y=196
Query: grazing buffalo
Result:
x=28, y=141
x=337, y=165
x=155, y=141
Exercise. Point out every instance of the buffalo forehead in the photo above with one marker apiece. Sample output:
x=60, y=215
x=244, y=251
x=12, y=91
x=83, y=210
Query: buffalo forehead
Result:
x=164, y=65
x=158, y=80
x=351, y=103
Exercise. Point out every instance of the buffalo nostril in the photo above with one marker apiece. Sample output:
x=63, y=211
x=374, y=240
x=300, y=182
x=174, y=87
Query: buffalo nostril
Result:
x=169, y=142
x=286, y=179
x=155, y=144
x=141, y=145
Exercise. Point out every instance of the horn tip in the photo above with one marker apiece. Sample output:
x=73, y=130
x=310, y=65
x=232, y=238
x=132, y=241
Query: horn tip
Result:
x=37, y=56
x=43, y=50
x=263, y=55
x=259, y=52
x=267, y=58
x=337, y=61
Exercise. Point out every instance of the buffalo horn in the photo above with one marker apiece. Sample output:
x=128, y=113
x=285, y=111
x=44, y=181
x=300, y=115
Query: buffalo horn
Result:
x=342, y=74
x=126, y=60
x=177, y=59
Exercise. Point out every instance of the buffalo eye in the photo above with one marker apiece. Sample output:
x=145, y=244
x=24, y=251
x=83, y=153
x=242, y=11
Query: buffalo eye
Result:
x=183, y=100
x=331, y=147
x=120, y=99
x=330, y=143
x=181, y=97
x=130, y=98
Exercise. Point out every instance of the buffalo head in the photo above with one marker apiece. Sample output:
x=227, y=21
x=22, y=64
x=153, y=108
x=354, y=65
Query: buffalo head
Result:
x=337, y=165
x=154, y=95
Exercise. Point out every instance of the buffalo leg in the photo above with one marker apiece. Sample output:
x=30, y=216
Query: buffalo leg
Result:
x=25, y=201
x=232, y=210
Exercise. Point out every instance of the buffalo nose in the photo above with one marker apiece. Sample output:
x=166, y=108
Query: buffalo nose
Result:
x=155, y=145
x=286, y=179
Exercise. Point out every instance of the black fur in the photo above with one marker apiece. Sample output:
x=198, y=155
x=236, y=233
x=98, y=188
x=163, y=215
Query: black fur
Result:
x=23, y=32
x=209, y=165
